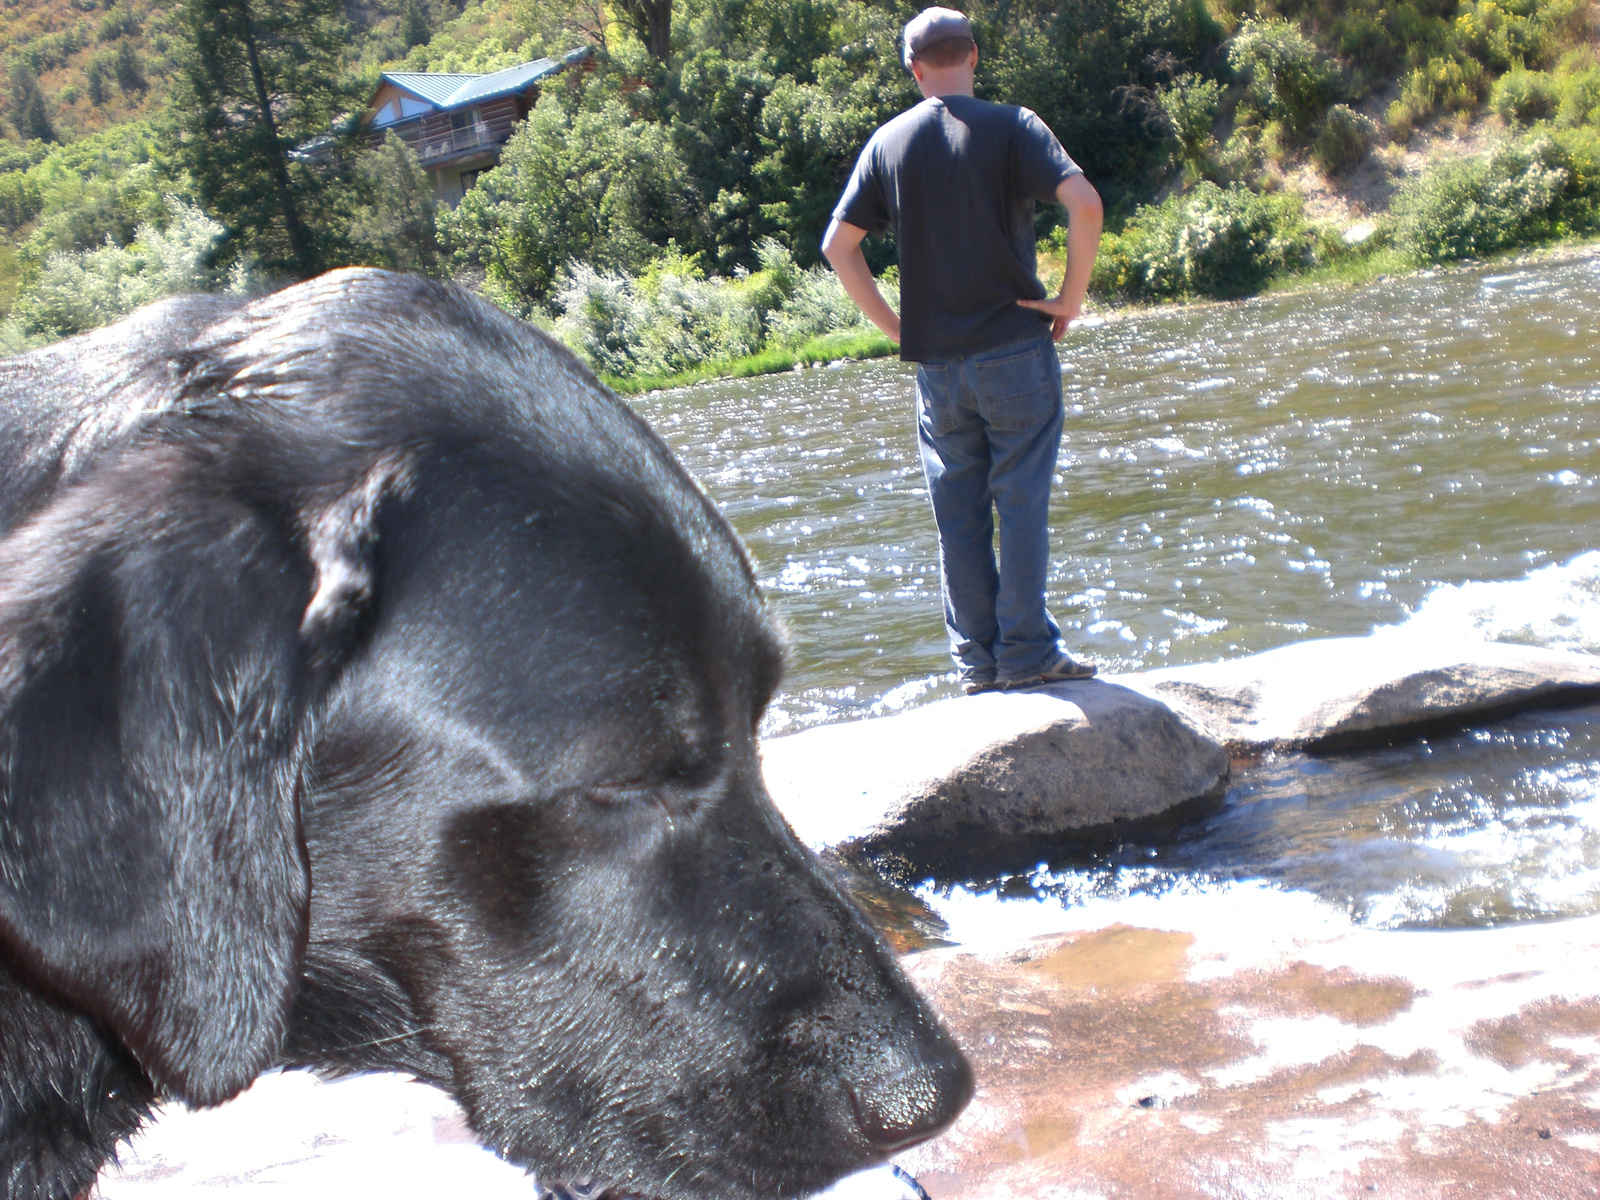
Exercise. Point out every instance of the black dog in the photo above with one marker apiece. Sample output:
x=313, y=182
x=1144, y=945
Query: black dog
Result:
x=377, y=692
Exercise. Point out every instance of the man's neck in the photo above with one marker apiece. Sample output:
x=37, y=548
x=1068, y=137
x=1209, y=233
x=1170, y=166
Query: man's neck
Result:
x=946, y=83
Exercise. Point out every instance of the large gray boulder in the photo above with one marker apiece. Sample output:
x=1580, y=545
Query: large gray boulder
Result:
x=1066, y=758
x=1085, y=757
x=1335, y=693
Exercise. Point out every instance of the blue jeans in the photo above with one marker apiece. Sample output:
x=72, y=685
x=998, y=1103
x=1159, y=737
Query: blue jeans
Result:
x=989, y=427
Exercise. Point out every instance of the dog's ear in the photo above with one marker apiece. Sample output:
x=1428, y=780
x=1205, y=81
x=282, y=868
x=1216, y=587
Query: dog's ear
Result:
x=162, y=639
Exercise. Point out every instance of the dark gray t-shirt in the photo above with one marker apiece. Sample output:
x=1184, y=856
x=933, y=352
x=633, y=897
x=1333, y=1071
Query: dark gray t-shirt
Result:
x=957, y=177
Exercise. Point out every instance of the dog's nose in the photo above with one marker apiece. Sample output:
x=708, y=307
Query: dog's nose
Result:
x=911, y=1105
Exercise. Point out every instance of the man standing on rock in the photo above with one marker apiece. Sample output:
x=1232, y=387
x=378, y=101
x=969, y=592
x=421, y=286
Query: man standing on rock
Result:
x=957, y=178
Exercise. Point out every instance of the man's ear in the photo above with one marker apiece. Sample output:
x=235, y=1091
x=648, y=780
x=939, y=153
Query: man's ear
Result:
x=159, y=653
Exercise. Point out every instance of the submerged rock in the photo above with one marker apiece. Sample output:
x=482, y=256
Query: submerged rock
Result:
x=1070, y=757
x=1336, y=693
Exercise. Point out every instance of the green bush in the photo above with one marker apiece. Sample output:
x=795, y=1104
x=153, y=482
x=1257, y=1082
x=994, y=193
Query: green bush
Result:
x=86, y=289
x=1519, y=195
x=1522, y=95
x=1208, y=242
x=670, y=318
x=1290, y=80
x=582, y=180
x=1578, y=82
x=1343, y=139
x=1439, y=85
x=1190, y=106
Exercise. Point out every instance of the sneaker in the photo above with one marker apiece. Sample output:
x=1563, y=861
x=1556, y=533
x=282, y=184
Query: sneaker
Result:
x=975, y=687
x=1057, y=670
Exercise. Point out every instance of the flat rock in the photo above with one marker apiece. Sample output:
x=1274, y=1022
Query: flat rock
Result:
x=1340, y=692
x=1068, y=757
x=1250, y=1046
x=1247, y=1043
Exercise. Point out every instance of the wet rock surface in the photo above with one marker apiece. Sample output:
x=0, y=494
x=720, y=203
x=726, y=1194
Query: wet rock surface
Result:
x=1250, y=1044
x=1207, y=1056
x=1333, y=693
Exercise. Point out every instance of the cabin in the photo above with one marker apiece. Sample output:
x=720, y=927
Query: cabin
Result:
x=458, y=124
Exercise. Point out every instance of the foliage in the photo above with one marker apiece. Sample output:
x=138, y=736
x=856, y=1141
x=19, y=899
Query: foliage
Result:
x=1578, y=85
x=1342, y=140
x=1438, y=85
x=393, y=225
x=28, y=110
x=1211, y=241
x=583, y=179
x=1525, y=193
x=85, y=289
x=1190, y=105
x=1523, y=95
x=1091, y=70
x=1289, y=79
x=75, y=196
x=256, y=81
x=670, y=318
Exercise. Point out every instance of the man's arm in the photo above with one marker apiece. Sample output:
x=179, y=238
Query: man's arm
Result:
x=1084, y=215
x=841, y=246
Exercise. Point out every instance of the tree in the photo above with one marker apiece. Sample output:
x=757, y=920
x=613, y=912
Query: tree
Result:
x=583, y=180
x=257, y=90
x=652, y=21
x=414, y=26
x=394, y=226
x=29, y=112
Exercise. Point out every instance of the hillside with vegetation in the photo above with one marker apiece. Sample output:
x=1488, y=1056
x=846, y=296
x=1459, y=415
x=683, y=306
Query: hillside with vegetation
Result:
x=662, y=212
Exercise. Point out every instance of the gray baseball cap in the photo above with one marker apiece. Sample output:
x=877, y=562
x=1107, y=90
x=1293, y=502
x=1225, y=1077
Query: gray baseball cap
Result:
x=933, y=25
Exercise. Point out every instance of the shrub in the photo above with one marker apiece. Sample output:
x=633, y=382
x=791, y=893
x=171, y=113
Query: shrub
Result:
x=1579, y=84
x=1208, y=242
x=85, y=289
x=1522, y=95
x=1439, y=85
x=583, y=181
x=1520, y=194
x=1190, y=107
x=394, y=225
x=1289, y=78
x=1343, y=139
x=670, y=318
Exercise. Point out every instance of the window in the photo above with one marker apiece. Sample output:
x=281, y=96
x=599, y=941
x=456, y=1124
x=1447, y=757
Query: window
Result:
x=465, y=120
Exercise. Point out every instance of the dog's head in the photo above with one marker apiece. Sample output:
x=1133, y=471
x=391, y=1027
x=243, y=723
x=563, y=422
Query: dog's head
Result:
x=390, y=700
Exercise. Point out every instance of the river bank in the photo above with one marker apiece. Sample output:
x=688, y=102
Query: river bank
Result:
x=860, y=345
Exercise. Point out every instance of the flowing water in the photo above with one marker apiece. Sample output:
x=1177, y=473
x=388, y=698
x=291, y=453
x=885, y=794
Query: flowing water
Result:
x=1234, y=477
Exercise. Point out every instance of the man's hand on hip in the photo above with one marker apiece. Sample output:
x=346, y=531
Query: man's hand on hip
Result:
x=1084, y=218
x=1063, y=309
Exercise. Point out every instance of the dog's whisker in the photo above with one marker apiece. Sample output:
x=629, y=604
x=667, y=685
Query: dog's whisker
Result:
x=384, y=1041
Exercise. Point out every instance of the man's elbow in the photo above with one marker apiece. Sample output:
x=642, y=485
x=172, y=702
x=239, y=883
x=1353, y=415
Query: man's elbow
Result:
x=1078, y=197
x=831, y=244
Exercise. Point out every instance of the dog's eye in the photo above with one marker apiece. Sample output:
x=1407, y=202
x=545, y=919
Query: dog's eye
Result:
x=685, y=771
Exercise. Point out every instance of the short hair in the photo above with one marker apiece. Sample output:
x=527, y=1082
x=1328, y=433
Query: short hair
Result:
x=948, y=52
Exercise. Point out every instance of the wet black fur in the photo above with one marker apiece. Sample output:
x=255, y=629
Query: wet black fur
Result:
x=377, y=692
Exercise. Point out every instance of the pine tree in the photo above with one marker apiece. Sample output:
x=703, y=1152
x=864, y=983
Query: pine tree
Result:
x=414, y=26
x=29, y=112
x=258, y=87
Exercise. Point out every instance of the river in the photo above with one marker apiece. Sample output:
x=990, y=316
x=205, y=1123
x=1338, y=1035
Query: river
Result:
x=1422, y=450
